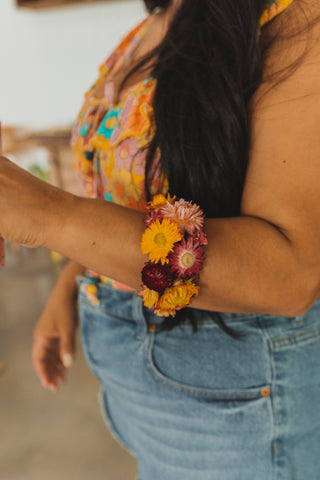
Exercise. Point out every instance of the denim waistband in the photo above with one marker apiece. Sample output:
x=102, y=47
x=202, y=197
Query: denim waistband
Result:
x=109, y=298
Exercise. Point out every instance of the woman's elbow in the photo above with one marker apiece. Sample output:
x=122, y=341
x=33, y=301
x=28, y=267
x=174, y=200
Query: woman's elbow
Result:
x=304, y=295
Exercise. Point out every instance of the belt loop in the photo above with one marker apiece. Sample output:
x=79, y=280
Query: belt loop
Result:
x=299, y=320
x=138, y=316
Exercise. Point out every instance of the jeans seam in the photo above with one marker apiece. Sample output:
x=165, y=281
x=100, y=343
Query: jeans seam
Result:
x=103, y=400
x=274, y=402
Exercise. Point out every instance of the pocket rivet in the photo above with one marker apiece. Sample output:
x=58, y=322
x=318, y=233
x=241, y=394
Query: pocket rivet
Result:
x=265, y=392
x=152, y=327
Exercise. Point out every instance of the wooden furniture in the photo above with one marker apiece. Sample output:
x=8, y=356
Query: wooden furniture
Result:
x=56, y=141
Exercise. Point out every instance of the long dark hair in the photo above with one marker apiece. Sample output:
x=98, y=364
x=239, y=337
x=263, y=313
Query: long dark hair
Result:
x=207, y=68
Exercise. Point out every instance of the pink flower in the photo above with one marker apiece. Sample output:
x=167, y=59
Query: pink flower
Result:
x=188, y=216
x=200, y=237
x=152, y=216
x=156, y=277
x=187, y=258
x=139, y=162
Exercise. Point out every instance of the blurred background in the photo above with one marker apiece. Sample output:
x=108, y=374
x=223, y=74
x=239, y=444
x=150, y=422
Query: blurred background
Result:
x=50, y=51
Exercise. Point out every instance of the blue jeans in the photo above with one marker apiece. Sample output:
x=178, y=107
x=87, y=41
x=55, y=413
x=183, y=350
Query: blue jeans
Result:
x=204, y=405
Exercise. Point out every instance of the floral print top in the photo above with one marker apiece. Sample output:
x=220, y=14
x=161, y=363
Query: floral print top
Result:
x=110, y=136
x=274, y=8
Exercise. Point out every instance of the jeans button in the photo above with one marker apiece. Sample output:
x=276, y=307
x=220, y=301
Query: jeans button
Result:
x=265, y=392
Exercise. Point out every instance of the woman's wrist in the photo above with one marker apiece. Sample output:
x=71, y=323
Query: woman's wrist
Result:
x=66, y=287
x=102, y=236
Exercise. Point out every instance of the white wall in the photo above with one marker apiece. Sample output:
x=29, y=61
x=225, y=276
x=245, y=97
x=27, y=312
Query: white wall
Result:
x=48, y=58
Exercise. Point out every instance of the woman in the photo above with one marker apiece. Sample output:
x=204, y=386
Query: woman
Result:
x=201, y=83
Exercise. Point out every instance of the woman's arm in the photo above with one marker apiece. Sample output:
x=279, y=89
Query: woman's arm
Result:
x=251, y=265
x=265, y=261
x=54, y=334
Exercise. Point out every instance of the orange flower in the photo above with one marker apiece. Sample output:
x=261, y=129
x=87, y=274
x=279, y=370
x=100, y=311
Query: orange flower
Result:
x=160, y=201
x=150, y=297
x=176, y=298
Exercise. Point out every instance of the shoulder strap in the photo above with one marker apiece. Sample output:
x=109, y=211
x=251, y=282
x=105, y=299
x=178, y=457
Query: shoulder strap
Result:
x=274, y=8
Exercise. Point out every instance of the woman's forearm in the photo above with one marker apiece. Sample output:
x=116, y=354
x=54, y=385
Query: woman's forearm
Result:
x=251, y=267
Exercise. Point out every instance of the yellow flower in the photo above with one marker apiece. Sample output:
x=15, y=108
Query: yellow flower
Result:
x=158, y=240
x=160, y=200
x=150, y=297
x=177, y=297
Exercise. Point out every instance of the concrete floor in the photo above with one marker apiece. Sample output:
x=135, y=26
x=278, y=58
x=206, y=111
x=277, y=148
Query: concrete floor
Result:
x=43, y=436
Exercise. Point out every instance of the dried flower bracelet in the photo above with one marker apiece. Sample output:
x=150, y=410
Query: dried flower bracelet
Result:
x=173, y=239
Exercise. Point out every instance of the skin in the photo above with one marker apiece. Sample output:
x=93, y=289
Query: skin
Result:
x=265, y=261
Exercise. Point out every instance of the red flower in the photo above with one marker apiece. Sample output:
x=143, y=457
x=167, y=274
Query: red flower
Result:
x=156, y=276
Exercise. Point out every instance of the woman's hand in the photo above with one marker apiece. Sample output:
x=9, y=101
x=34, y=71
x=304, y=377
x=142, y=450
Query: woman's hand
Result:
x=30, y=208
x=54, y=335
x=54, y=346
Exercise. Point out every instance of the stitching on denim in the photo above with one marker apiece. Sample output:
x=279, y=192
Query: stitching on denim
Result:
x=252, y=317
x=103, y=401
x=227, y=395
x=274, y=400
x=294, y=339
x=140, y=337
x=100, y=309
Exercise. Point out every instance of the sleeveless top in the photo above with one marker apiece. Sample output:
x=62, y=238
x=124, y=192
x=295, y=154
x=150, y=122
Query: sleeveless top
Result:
x=110, y=137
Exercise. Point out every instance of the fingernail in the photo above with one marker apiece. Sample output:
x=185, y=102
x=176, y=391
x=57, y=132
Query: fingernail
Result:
x=67, y=360
x=52, y=388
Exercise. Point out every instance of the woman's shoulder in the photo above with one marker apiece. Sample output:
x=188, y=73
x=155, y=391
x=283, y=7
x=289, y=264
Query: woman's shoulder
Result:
x=295, y=40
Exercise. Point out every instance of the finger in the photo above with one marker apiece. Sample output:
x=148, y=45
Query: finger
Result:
x=39, y=349
x=67, y=347
x=46, y=361
x=50, y=374
x=56, y=375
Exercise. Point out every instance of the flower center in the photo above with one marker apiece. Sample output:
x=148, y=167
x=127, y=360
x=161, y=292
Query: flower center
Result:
x=160, y=239
x=187, y=260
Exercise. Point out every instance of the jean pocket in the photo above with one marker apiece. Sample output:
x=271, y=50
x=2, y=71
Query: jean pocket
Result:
x=209, y=364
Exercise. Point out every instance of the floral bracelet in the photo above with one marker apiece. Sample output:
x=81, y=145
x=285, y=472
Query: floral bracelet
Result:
x=173, y=239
